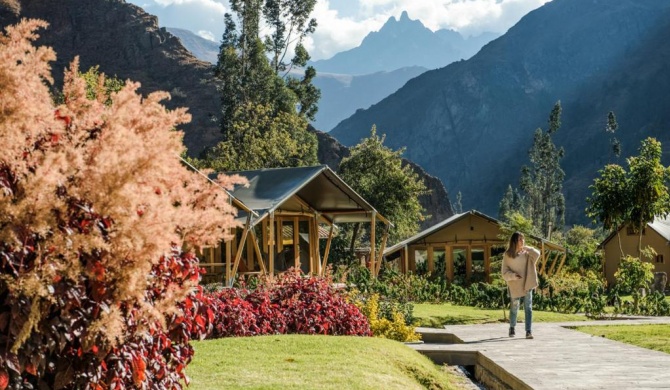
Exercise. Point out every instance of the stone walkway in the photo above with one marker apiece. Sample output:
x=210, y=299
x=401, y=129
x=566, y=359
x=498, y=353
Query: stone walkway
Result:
x=557, y=358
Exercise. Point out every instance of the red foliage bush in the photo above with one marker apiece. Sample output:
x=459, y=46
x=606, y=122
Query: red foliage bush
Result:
x=290, y=304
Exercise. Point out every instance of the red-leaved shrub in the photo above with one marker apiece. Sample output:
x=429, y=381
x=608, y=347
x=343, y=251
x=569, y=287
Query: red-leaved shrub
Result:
x=291, y=303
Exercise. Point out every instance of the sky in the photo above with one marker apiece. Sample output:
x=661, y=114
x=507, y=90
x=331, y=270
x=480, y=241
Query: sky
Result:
x=342, y=24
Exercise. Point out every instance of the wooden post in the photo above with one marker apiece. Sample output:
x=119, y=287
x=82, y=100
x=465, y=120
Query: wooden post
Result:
x=240, y=248
x=405, y=255
x=296, y=243
x=229, y=258
x=487, y=262
x=261, y=262
x=468, y=264
x=271, y=244
x=449, y=258
x=382, y=249
x=324, y=263
x=411, y=259
x=430, y=260
x=317, y=250
x=562, y=261
x=373, y=222
x=543, y=258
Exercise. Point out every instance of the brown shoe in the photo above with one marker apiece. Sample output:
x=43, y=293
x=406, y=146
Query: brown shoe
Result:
x=529, y=335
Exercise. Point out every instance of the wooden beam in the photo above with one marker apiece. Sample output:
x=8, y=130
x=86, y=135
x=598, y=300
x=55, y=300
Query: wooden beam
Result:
x=240, y=247
x=381, y=250
x=562, y=261
x=259, y=255
x=324, y=263
x=543, y=259
x=554, y=264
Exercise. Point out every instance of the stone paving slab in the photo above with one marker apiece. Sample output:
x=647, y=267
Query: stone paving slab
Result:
x=561, y=358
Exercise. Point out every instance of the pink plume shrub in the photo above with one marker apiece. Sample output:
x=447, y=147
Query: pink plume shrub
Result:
x=95, y=207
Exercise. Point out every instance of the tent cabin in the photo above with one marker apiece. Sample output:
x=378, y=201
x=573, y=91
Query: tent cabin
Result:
x=466, y=243
x=285, y=212
x=656, y=234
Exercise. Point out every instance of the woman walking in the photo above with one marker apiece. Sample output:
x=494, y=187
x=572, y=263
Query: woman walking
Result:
x=520, y=273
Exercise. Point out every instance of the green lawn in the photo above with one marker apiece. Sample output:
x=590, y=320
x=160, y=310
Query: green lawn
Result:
x=656, y=337
x=314, y=362
x=438, y=315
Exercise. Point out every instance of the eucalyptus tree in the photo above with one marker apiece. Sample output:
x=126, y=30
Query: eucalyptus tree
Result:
x=542, y=182
x=253, y=77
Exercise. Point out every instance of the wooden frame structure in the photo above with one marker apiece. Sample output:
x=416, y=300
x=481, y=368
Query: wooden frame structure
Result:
x=466, y=242
x=285, y=213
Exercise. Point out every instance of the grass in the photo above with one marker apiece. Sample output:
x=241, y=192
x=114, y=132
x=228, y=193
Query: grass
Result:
x=314, y=362
x=438, y=315
x=656, y=337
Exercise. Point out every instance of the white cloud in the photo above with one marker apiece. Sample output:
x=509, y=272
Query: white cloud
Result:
x=207, y=35
x=344, y=23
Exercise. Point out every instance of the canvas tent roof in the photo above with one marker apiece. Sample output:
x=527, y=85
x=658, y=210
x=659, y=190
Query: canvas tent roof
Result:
x=298, y=189
x=419, y=237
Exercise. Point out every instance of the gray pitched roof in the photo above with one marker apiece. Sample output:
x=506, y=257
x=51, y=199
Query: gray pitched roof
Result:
x=273, y=189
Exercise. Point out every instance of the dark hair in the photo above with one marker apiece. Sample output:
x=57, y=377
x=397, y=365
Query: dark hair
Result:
x=512, y=246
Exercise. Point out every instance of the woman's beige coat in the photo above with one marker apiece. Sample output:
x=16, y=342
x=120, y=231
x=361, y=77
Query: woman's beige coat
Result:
x=523, y=265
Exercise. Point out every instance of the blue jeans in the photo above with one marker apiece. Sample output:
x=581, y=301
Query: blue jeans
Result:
x=527, y=308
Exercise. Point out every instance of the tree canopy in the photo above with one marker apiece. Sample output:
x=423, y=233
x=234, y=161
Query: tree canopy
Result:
x=377, y=173
x=264, y=106
x=632, y=197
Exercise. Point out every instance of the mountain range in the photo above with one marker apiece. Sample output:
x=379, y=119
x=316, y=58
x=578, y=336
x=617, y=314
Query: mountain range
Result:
x=386, y=59
x=403, y=43
x=471, y=123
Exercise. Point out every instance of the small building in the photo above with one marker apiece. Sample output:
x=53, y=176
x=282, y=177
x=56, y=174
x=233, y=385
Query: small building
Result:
x=466, y=243
x=285, y=213
x=656, y=234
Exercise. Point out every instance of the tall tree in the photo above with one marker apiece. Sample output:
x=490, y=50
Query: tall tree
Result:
x=648, y=180
x=632, y=197
x=609, y=199
x=378, y=175
x=543, y=181
x=511, y=202
x=258, y=89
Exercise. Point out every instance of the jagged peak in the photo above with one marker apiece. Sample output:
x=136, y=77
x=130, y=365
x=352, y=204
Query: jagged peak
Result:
x=404, y=17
